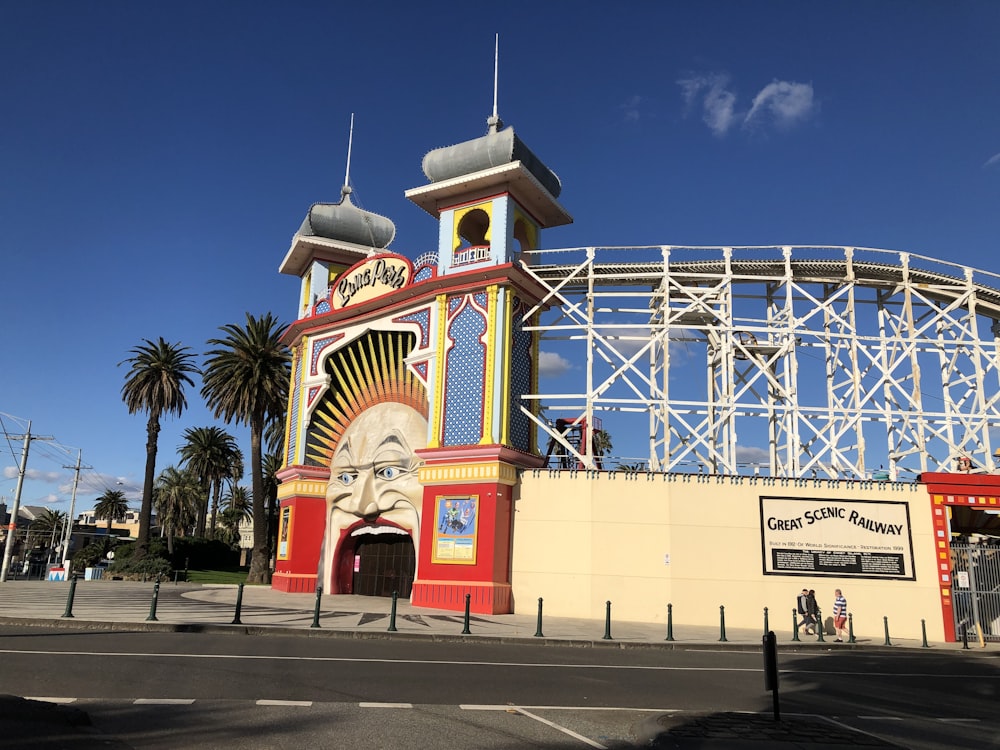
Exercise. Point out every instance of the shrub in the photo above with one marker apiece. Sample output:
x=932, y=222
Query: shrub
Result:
x=89, y=556
x=139, y=570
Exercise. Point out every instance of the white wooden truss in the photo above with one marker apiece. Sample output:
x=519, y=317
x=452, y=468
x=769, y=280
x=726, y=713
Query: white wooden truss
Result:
x=783, y=361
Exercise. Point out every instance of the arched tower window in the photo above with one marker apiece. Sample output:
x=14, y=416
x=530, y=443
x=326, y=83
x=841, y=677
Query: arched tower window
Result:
x=473, y=237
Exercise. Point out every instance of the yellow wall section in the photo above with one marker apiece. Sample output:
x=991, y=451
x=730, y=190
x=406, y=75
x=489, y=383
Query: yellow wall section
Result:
x=438, y=385
x=456, y=239
x=487, y=437
x=583, y=538
x=508, y=338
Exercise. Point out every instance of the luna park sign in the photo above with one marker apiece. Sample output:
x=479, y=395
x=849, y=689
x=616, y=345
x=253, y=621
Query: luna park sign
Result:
x=371, y=278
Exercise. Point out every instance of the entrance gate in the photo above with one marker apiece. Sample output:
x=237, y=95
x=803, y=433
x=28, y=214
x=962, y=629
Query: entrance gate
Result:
x=975, y=590
x=384, y=564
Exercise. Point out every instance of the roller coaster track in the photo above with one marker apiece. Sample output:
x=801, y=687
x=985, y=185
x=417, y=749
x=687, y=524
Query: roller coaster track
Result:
x=825, y=361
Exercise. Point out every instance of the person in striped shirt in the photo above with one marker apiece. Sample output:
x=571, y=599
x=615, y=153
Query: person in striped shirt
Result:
x=839, y=615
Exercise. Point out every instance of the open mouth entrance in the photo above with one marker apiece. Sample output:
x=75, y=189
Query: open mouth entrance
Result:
x=381, y=564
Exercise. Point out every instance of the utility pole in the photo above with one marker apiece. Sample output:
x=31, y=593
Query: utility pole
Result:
x=72, y=507
x=12, y=526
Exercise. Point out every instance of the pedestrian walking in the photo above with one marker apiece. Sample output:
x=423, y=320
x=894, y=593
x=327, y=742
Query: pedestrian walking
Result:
x=839, y=615
x=802, y=607
x=812, y=607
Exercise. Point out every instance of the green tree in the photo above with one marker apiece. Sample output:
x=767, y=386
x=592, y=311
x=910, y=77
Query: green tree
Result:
x=272, y=465
x=178, y=493
x=237, y=505
x=209, y=452
x=600, y=443
x=246, y=380
x=155, y=384
x=47, y=528
x=111, y=506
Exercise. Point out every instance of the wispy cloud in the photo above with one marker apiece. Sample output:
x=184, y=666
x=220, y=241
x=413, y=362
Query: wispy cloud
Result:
x=551, y=365
x=631, y=108
x=783, y=104
x=10, y=472
x=992, y=161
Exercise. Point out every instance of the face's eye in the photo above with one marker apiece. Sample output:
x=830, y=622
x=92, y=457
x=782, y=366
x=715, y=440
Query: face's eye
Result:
x=389, y=472
x=346, y=478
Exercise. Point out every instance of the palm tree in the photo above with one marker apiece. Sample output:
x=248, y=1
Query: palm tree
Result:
x=246, y=380
x=155, y=384
x=272, y=465
x=209, y=452
x=178, y=493
x=600, y=443
x=111, y=506
x=237, y=506
x=46, y=528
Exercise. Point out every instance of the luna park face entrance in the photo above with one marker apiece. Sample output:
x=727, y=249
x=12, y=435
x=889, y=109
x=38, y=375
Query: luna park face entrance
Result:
x=383, y=564
x=975, y=590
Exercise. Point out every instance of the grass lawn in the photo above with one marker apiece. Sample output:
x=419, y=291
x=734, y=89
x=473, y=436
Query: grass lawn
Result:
x=233, y=575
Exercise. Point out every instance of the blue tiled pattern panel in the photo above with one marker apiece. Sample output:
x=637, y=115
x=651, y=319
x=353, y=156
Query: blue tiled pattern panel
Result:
x=465, y=371
x=423, y=319
x=520, y=381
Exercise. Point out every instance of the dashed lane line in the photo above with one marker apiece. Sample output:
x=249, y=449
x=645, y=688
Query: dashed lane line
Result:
x=163, y=701
x=385, y=705
x=269, y=702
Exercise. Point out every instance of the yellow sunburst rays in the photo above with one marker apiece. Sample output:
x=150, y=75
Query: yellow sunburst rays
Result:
x=363, y=379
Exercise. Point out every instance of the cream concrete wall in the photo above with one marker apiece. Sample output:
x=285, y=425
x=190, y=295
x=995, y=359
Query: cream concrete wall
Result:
x=584, y=538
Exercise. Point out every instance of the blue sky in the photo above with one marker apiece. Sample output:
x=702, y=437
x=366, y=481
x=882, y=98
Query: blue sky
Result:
x=157, y=158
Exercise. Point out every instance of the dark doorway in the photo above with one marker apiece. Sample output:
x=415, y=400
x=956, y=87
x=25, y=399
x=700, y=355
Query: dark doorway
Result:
x=384, y=564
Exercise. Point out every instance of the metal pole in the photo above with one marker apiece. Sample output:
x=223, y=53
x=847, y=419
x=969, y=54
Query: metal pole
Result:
x=465, y=629
x=152, y=604
x=538, y=629
x=885, y=622
x=850, y=628
x=72, y=507
x=319, y=596
x=923, y=630
x=392, y=613
x=12, y=526
x=722, y=623
x=670, y=622
x=766, y=628
x=819, y=625
x=795, y=624
x=965, y=636
x=239, y=605
x=607, y=621
x=69, y=599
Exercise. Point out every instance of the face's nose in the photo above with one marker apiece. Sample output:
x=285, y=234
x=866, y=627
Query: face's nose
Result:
x=367, y=507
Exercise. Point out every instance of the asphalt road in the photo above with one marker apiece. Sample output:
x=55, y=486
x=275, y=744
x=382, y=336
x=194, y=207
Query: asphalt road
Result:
x=168, y=690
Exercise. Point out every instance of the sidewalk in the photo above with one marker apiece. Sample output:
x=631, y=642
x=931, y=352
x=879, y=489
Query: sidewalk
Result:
x=119, y=605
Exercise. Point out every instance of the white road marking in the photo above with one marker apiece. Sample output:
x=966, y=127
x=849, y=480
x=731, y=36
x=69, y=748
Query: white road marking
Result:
x=449, y=663
x=49, y=699
x=957, y=721
x=881, y=718
x=385, y=705
x=163, y=701
x=564, y=730
x=267, y=702
x=506, y=707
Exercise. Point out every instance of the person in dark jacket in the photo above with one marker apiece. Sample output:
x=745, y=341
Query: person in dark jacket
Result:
x=802, y=606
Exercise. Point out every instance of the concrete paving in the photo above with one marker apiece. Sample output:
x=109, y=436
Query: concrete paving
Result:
x=120, y=605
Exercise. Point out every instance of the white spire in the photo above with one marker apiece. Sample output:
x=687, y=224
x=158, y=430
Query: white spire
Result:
x=494, y=122
x=347, y=174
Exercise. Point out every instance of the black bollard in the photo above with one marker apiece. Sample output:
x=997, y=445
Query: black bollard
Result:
x=819, y=625
x=176, y=574
x=465, y=629
x=885, y=622
x=392, y=613
x=152, y=604
x=69, y=599
x=538, y=628
x=766, y=628
x=923, y=630
x=965, y=636
x=670, y=622
x=770, y=645
x=795, y=625
x=319, y=597
x=239, y=605
x=722, y=624
x=607, y=621
x=850, y=628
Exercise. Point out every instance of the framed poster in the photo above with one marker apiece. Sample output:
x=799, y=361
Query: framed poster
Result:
x=456, y=520
x=284, y=533
x=844, y=538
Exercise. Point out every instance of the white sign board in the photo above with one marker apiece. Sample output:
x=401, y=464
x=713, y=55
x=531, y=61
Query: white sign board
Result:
x=841, y=538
